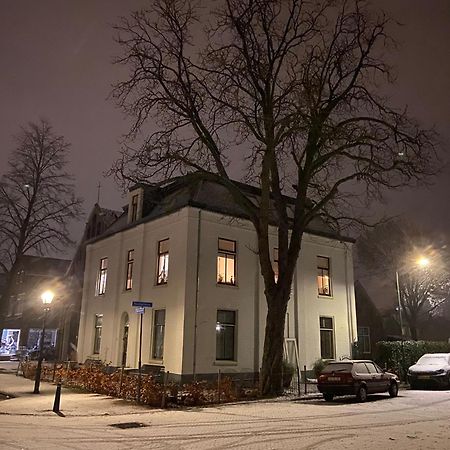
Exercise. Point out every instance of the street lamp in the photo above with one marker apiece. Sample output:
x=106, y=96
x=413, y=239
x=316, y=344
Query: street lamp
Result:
x=47, y=298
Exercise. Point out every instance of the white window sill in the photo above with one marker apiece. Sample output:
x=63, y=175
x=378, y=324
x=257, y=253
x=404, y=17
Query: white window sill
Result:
x=325, y=296
x=225, y=363
x=226, y=285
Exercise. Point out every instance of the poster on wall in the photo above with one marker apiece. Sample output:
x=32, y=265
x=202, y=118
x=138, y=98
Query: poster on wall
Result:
x=9, y=342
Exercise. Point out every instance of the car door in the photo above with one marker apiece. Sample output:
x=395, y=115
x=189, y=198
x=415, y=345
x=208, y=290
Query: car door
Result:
x=362, y=374
x=376, y=382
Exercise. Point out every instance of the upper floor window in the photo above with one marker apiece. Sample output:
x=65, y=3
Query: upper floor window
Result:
x=326, y=338
x=134, y=207
x=226, y=262
x=98, y=324
x=225, y=335
x=323, y=275
x=130, y=263
x=163, y=262
x=101, y=277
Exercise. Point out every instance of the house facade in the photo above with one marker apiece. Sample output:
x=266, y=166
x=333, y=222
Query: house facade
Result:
x=189, y=250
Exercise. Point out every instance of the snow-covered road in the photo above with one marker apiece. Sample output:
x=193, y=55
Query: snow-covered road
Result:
x=414, y=420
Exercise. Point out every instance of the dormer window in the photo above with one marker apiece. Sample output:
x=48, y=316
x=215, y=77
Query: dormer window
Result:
x=135, y=203
x=134, y=207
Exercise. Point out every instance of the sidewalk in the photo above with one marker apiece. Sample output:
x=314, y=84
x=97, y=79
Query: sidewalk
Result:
x=74, y=403
x=22, y=401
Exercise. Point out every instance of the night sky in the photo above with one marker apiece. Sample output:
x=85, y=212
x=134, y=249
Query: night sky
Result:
x=56, y=63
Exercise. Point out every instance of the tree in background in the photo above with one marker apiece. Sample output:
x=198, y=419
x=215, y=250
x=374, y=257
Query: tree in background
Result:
x=37, y=199
x=421, y=265
x=287, y=93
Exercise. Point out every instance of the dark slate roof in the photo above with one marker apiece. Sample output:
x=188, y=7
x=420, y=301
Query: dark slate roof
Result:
x=39, y=265
x=203, y=194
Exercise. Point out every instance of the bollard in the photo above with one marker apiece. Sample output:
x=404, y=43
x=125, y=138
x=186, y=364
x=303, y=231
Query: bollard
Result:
x=163, y=398
x=57, y=401
x=306, y=380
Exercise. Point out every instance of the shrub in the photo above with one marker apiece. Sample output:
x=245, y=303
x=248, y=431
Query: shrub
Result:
x=399, y=355
x=318, y=366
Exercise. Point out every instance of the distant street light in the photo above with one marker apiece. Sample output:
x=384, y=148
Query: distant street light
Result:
x=47, y=298
x=423, y=261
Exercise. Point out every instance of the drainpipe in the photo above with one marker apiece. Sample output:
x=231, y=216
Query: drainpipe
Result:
x=197, y=287
x=349, y=302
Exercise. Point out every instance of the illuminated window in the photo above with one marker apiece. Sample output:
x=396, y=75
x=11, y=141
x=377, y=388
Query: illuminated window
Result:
x=159, y=325
x=225, y=335
x=323, y=275
x=130, y=262
x=163, y=262
x=134, y=207
x=326, y=338
x=101, y=277
x=97, y=333
x=275, y=264
x=226, y=262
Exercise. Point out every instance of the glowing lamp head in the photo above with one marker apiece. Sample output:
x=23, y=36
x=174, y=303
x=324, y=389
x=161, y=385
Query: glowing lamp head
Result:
x=47, y=297
x=423, y=261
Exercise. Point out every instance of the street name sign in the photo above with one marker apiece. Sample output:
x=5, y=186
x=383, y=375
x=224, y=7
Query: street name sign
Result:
x=139, y=304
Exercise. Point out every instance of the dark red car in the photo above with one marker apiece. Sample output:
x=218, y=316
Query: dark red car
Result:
x=356, y=377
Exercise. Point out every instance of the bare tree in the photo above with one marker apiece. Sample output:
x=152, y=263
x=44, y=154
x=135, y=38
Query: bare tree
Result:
x=399, y=246
x=37, y=199
x=287, y=89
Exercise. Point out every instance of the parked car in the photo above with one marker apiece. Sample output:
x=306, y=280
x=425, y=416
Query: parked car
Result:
x=356, y=377
x=431, y=368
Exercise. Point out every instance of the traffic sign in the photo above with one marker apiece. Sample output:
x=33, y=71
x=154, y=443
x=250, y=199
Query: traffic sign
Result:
x=140, y=310
x=142, y=304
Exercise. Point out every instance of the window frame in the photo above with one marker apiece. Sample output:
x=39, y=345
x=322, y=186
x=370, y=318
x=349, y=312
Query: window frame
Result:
x=102, y=276
x=129, y=271
x=365, y=339
x=327, y=332
x=162, y=256
x=224, y=326
x=323, y=272
x=228, y=256
x=156, y=355
x=98, y=328
x=134, y=207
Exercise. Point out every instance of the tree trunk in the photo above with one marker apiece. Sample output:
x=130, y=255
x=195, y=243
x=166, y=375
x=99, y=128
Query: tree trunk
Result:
x=271, y=371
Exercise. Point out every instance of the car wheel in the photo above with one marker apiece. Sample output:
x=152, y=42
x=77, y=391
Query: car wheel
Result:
x=361, y=395
x=328, y=397
x=393, y=389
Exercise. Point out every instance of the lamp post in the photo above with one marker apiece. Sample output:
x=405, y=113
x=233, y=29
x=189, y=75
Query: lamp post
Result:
x=47, y=298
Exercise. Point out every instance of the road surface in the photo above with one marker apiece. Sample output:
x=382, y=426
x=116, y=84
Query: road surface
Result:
x=414, y=420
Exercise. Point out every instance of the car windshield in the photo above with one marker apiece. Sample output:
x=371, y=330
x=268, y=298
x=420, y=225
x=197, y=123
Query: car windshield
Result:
x=432, y=360
x=338, y=367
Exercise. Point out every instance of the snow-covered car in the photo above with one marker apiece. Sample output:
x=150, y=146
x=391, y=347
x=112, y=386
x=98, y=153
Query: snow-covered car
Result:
x=355, y=377
x=432, y=368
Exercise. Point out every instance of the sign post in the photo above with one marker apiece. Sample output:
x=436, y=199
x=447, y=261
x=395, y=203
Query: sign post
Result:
x=140, y=309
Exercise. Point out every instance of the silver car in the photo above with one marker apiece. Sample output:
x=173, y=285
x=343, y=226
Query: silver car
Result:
x=432, y=368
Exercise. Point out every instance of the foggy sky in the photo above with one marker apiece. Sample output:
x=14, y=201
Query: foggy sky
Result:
x=56, y=63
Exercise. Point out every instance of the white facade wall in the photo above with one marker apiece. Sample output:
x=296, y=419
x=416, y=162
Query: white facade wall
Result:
x=192, y=297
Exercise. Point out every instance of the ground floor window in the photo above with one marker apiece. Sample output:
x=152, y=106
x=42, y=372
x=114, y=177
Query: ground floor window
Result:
x=326, y=338
x=225, y=335
x=10, y=341
x=98, y=325
x=364, y=339
x=159, y=326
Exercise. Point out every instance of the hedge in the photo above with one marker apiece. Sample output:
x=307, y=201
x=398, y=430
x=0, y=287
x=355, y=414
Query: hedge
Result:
x=399, y=355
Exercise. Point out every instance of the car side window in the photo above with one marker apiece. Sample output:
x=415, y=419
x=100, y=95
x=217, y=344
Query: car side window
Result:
x=371, y=367
x=361, y=368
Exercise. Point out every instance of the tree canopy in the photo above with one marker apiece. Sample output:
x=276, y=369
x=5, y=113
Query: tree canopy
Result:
x=285, y=94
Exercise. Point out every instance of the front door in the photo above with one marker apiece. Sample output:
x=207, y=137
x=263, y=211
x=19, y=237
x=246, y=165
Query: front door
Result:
x=125, y=343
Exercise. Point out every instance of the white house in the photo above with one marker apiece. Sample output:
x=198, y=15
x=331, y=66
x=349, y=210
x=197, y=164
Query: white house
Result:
x=188, y=249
